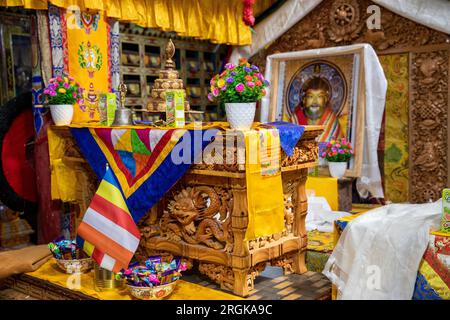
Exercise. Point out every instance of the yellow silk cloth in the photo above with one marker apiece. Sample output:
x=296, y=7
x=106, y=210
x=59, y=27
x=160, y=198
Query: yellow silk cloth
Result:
x=88, y=63
x=264, y=192
x=217, y=21
x=69, y=180
x=183, y=291
x=320, y=241
x=326, y=187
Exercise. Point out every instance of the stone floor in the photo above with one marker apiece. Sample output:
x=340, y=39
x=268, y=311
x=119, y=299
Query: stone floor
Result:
x=273, y=285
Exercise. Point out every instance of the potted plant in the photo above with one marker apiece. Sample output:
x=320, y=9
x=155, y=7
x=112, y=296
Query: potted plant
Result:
x=337, y=153
x=239, y=87
x=61, y=94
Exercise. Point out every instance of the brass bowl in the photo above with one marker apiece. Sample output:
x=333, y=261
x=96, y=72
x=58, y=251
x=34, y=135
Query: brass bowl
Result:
x=155, y=293
x=75, y=265
x=134, y=88
x=133, y=58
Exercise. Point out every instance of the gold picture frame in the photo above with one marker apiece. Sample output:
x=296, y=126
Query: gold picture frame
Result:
x=344, y=70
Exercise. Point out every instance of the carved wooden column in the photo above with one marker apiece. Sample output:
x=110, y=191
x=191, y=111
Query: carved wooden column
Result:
x=429, y=132
x=239, y=221
x=301, y=207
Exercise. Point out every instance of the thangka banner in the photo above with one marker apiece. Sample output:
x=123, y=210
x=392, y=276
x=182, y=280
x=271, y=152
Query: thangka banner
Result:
x=141, y=159
x=88, y=59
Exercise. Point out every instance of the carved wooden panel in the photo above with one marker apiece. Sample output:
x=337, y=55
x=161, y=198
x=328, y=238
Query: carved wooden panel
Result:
x=205, y=217
x=343, y=22
x=429, y=84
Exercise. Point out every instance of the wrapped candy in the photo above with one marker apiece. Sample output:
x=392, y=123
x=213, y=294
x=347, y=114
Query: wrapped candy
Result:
x=155, y=272
x=64, y=249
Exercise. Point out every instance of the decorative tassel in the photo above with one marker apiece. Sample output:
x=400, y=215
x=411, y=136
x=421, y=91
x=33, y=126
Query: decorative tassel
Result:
x=247, y=13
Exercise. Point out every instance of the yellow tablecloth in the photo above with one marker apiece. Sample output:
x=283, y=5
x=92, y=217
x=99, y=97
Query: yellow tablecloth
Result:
x=183, y=291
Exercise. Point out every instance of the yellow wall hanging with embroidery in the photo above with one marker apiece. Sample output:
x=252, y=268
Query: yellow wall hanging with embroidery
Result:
x=87, y=45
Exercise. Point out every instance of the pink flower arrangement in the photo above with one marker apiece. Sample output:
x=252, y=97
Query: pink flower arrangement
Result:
x=63, y=90
x=338, y=151
x=238, y=83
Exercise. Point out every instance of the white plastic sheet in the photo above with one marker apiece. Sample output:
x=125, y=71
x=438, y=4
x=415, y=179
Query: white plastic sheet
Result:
x=378, y=253
x=375, y=92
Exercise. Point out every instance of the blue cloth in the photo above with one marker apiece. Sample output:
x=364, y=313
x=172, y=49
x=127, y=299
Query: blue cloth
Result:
x=423, y=291
x=159, y=182
x=290, y=134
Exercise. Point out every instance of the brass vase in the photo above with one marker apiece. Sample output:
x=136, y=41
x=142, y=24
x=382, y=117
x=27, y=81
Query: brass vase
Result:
x=105, y=280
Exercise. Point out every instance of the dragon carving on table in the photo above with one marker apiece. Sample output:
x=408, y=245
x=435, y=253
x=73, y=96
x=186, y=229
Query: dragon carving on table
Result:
x=197, y=215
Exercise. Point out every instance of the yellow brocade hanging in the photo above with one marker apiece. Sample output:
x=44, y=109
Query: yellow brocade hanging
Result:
x=214, y=20
x=264, y=187
x=87, y=44
x=396, y=133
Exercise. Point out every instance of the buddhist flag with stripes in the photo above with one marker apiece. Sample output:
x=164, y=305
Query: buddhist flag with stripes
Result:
x=108, y=232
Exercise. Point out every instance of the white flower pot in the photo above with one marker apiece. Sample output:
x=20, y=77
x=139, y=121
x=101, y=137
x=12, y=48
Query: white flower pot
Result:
x=240, y=115
x=337, y=169
x=62, y=114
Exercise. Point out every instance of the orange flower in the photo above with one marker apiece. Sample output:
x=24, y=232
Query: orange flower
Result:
x=242, y=61
x=248, y=78
x=258, y=83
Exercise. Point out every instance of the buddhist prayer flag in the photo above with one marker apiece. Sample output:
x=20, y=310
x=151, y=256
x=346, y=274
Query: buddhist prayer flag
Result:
x=108, y=232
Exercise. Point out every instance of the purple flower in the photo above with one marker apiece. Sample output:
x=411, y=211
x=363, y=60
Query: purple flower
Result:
x=333, y=149
x=239, y=87
x=210, y=97
x=230, y=80
x=233, y=73
x=52, y=93
x=223, y=88
x=255, y=68
x=46, y=91
x=247, y=69
x=266, y=83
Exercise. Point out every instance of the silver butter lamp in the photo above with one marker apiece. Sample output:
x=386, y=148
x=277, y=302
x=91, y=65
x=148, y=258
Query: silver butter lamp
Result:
x=122, y=115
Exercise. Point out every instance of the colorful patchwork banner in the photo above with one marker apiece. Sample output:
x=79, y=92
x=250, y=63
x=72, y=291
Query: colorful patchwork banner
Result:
x=433, y=278
x=140, y=159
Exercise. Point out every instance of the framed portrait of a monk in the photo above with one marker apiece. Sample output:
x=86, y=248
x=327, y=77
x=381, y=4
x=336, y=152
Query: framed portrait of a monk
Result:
x=325, y=90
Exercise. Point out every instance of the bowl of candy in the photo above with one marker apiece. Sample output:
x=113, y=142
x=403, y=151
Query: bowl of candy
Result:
x=154, y=280
x=69, y=258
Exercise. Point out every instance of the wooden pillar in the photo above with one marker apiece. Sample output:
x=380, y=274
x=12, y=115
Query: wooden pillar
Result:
x=301, y=207
x=239, y=221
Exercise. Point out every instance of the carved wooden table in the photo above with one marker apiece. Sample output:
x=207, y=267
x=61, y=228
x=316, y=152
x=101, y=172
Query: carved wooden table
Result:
x=204, y=217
